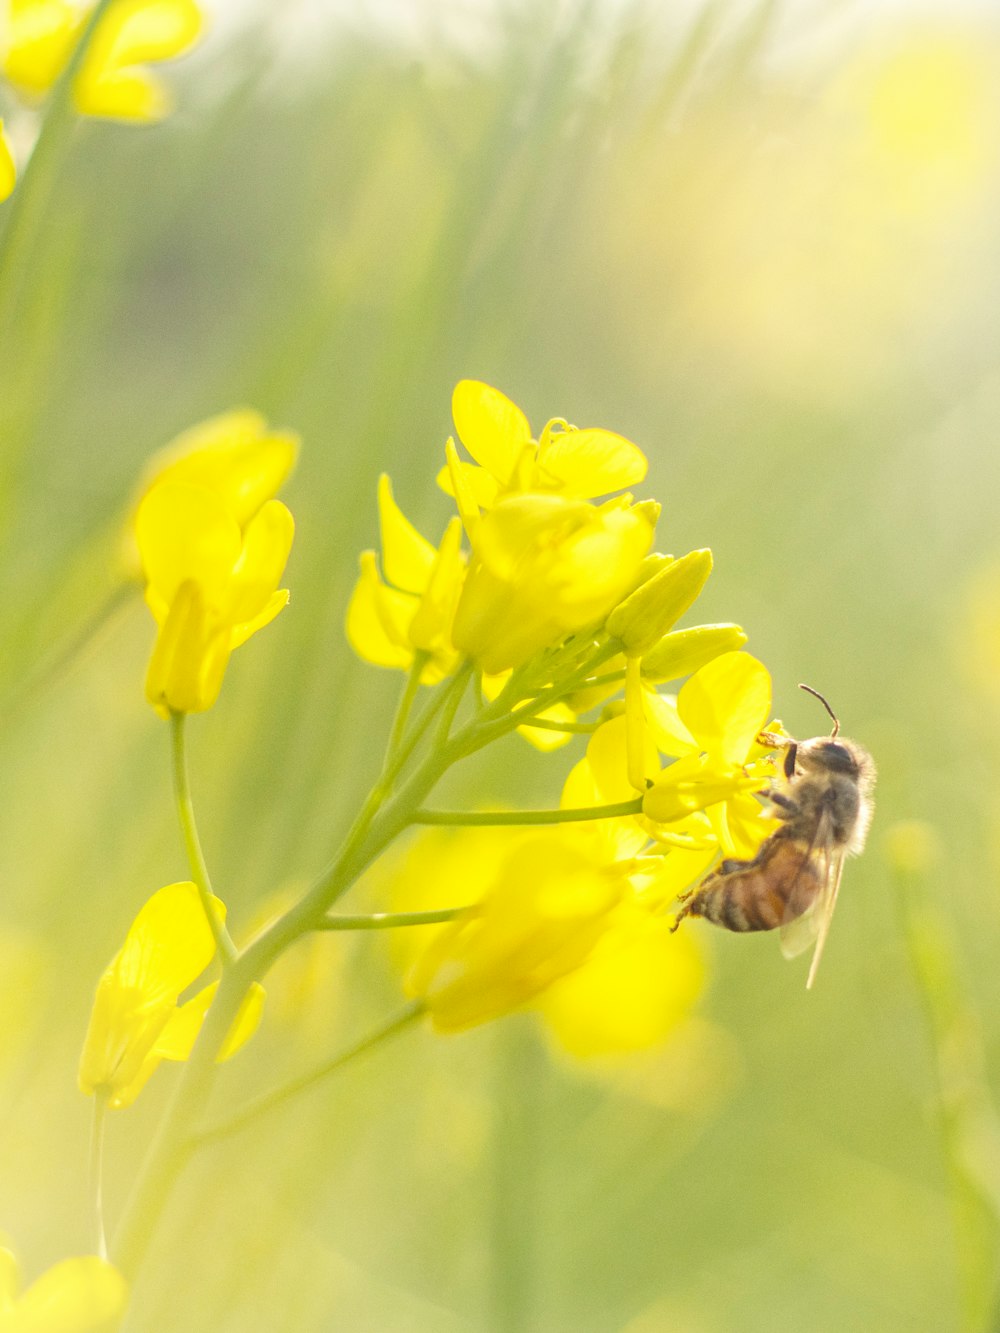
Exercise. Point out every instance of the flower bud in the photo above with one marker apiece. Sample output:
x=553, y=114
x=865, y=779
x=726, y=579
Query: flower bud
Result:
x=686, y=650
x=642, y=619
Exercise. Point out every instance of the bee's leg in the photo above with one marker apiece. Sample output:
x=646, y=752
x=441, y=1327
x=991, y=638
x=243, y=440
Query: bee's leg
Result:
x=782, y=801
x=687, y=904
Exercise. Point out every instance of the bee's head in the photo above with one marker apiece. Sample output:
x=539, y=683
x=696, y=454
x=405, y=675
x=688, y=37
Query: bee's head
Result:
x=824, y=755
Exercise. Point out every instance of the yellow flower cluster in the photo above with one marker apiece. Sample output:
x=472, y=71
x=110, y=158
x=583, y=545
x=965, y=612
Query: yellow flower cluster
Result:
x=559, y=601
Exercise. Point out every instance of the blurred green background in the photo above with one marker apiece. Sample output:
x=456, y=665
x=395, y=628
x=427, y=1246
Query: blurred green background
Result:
x=759, y=240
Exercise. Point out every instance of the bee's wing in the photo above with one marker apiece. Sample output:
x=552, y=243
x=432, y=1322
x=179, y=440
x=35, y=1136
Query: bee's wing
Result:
x=824, y=911
x=812, y=925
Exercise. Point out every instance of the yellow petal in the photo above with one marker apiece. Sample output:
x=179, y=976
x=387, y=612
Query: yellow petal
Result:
x=638, y=984
x=587, y=463
x=430, y=628
x=493, y=429
x=725, y=704
x=177, y=1040
x=407, y=556
x=233, y=454
x=378, y=619
x=669, y=733
x=128, y=94
x=267, y=542
x=169, y=944
x=167, y=947
x=545, y=740
x=692, y=784
x=187, y=533
x=114, y=81
x=274, y=605
x=39, y=37
x=8, y=171
x=540, y=919
x=84, y=1295
x=476, y=482
x=138, y=32
x=189, y=656
x=607, y=752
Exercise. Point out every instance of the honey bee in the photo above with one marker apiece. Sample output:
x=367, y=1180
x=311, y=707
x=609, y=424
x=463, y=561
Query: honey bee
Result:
x=825, y=804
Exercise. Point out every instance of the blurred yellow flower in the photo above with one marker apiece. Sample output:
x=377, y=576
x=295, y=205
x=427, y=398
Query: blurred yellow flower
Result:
x=80, y=1295
x=544, y=567
x=545, y=910
x=113, y=81
x=631, y=993
x=136, y=1021
x=8, y=171
x=579, y=464
x=209, y=585
x=720, y=711
x=543, y=906
x=413, y=608
x=235, y=454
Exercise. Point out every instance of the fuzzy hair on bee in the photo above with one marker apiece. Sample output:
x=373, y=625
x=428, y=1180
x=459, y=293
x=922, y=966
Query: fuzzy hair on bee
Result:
x=824, y=802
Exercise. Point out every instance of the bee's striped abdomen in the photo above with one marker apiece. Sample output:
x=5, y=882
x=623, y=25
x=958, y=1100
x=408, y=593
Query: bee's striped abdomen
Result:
x=778, y=885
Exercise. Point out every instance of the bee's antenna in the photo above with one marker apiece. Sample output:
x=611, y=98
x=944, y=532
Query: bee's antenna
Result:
x=816, y=694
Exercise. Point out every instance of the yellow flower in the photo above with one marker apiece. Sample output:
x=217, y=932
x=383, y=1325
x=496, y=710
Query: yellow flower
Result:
x=233, y=454
x=113, y=80
x=542, y=915
x=545, y=906
x=412, y=610
x=545, y=567
x=136, y=1021
x=578, y=464
x=8, y=171
x=714, y=726
x=80, y=1295
x=633, y=991
x=209, y=585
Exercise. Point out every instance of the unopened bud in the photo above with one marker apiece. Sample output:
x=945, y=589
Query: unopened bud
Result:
x=645, y=616
x=685, y=650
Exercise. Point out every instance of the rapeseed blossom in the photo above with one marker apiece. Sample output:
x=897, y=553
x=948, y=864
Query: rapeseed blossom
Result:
x=545, y=567
x=80, y=1295
x=235, y=454
x=210, y=585
x=558, y=920
x=412, y=609
x=577, y=464
x=114, y=80
x=137, y=1020
x=713, y=729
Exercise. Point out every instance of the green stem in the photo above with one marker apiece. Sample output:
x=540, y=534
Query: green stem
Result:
x=574, y=728
x=383, y=816
x=405, y=707
x=453, y=698
x=30, y=200
x=381, y=819
x=388, y=920
x=97, y=1171
x=192, y=843
x=484, y=817
x=272, y=1101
